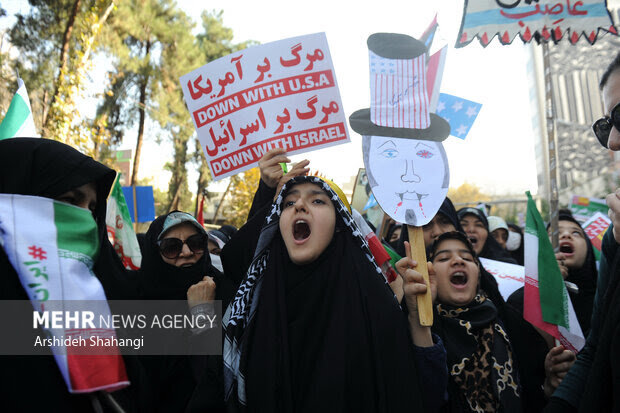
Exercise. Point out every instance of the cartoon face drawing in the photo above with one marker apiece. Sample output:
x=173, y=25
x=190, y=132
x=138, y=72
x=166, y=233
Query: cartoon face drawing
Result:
x=408, y=177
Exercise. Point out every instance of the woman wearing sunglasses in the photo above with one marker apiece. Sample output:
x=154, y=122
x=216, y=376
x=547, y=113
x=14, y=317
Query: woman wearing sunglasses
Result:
x=176, y=265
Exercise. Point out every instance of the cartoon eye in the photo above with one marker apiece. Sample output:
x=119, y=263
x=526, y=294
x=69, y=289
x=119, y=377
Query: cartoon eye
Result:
x=425, y=154
x=390, y=153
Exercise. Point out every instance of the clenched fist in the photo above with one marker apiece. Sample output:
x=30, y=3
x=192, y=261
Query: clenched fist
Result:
x=201, y=292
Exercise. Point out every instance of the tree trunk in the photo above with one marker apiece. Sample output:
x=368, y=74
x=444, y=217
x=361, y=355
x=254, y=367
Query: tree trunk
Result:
x=198, y=192
x=67, y=36
x=64, y=52
x=142, y=110
x=174, y=204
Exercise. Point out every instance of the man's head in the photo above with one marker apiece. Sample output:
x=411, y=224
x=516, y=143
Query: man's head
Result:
x=606, y=128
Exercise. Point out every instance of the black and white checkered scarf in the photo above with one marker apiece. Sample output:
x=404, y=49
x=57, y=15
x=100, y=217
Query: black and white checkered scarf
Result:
x=243, y=307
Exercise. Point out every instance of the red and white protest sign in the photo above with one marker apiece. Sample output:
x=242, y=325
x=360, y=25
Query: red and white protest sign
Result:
x=510, y=277
x=281, y=94
x=595, y=228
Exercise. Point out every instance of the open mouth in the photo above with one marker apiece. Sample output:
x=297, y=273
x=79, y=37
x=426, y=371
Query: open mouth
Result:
x=411, y=196
x=301, y=230
x=473, y=241
x=567, y=249
x=459, y=278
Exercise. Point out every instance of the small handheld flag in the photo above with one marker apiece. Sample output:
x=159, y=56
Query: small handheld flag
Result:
x=546, y=303
x=18, y=121
x=120, y=229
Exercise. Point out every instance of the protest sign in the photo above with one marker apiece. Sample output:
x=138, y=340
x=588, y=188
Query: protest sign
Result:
x=406, y=164
x=595, y=229
x=281, y=94
x=548, y=19
x=584, y=208
x=509, y=277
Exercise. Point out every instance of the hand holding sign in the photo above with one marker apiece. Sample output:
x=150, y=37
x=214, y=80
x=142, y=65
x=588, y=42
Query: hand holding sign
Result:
x=414, y=288
x=405, y=161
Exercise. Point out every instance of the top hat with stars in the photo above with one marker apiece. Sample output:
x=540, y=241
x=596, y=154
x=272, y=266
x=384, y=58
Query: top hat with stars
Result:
x=399, y=100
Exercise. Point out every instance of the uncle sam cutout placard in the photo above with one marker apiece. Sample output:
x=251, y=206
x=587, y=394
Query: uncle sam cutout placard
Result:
x=405, y=161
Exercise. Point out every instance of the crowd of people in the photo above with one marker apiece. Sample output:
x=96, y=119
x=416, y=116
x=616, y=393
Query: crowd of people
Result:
x=311, y=324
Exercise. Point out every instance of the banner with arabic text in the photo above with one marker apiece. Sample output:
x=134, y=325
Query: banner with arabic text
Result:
x=280, y=94
x=548, y=19
x=595, y=229
x=510, y=277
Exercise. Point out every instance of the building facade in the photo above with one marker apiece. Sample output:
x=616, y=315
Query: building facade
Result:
x=584, y=167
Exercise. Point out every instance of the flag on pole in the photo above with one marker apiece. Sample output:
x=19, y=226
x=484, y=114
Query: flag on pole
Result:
x=52, y=246
x=380, y=254
x=434, y=74
x=18, y=121
x=546, y=303
x=200, y=218
x=120, y=229
x=429, y=34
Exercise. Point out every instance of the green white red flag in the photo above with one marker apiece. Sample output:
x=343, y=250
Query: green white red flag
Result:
x=53, y=246
x=546, y=303
x=18, y=121
x=120, y=229
x=380, y=254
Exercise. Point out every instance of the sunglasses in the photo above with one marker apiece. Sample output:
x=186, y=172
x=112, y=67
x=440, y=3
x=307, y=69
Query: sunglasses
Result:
x=171, y=247
x=602, y=127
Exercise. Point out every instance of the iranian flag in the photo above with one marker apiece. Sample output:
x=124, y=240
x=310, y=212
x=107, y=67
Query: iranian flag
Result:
x=120, y=229
x=18, y=121
x=546, y=303
x=381, y=256
x=52, y=247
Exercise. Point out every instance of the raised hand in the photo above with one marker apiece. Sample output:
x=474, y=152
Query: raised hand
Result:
x=269, y=165
x=201, y=292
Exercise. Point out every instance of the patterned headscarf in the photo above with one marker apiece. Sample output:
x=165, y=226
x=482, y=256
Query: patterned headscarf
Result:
x=243, y=307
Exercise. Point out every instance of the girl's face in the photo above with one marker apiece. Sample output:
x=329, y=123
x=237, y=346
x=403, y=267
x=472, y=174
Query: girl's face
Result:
x=438, y=225
x=456, y=272
x=84, y=196
x=475, y=230
x=307, y=222
x=572, y=244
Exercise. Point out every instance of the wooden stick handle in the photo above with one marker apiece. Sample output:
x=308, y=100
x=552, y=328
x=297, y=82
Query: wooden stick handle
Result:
x=418, y=254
